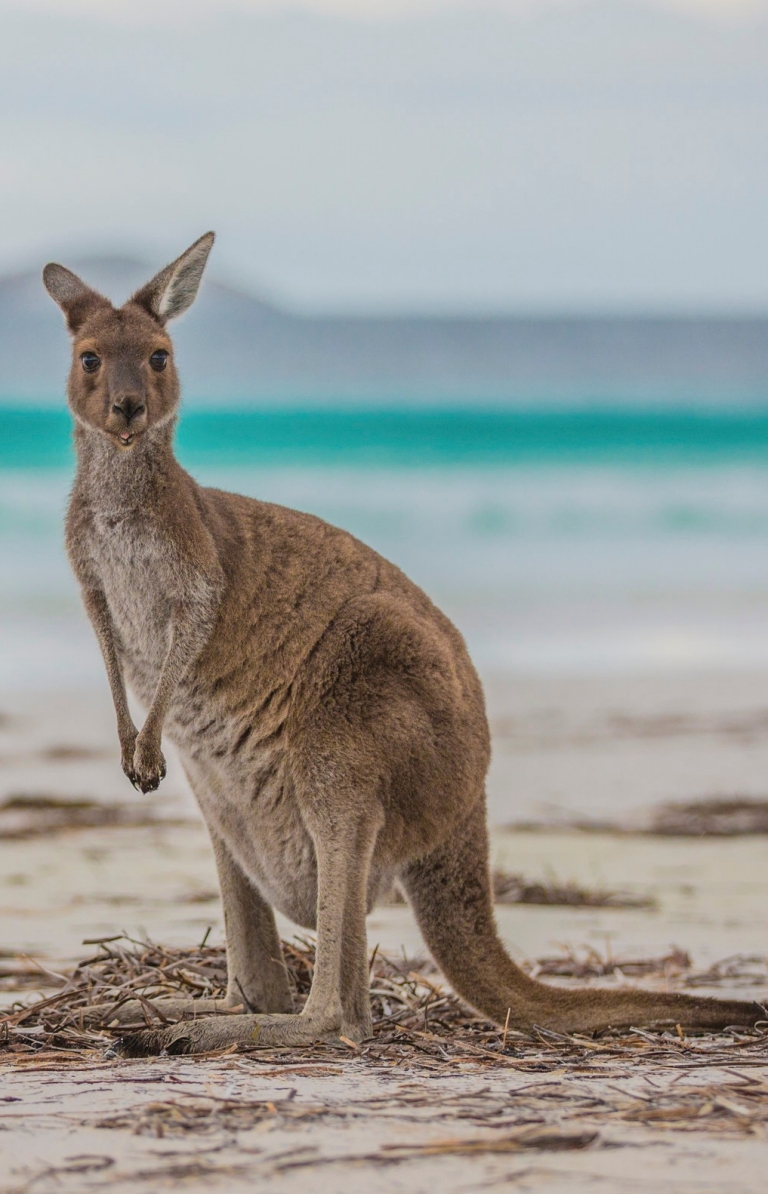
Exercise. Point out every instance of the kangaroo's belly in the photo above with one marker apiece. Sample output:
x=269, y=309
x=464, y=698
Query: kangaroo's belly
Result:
x=251, y=809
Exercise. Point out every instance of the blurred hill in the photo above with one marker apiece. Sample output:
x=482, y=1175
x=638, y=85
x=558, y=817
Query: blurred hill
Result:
x=234, y=348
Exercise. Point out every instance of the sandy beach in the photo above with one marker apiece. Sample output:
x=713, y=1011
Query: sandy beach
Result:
x=581, y=768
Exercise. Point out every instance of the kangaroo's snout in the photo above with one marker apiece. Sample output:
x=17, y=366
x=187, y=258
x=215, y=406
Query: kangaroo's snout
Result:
x=127, y=416
x=129, y=405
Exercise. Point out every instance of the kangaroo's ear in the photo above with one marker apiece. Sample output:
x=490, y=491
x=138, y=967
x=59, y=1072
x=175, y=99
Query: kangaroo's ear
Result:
x=75, y=298
x=173, y=290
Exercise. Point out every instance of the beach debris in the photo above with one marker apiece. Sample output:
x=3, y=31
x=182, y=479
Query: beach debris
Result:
x=411, y=1004
x=550, y=728
x=498, y=1093
x=514, y=889
x=709, y=816
x=587, y=962
x=32, y=814
x=719, y=816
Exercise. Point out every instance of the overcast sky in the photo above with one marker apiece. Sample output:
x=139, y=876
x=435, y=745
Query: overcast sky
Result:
x=362, y=155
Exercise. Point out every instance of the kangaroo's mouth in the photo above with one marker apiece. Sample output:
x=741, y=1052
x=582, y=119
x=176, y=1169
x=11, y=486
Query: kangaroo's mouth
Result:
x=125, y=437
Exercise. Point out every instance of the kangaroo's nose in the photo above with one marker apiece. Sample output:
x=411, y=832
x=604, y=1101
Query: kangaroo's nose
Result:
x=129, y=405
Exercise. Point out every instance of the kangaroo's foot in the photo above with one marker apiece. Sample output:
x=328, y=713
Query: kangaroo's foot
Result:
x=220, y=1032
x=161, y=1011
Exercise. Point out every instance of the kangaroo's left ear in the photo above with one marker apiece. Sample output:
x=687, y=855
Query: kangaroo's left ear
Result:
x=173, y=290
x=76, y=299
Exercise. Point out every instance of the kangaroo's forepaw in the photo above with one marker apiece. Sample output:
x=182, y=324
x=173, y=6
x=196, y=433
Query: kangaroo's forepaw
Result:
x=127, y=750
x=148, y=765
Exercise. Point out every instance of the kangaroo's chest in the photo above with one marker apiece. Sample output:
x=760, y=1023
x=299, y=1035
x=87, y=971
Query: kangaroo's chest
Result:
x=136, y=577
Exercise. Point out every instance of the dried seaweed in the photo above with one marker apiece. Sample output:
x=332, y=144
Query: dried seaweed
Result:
x=711, y=816
x=411, y=1005
x=499, y=1093
x=515, y=889
x=30, y=814
x=723, y=816
x=123, y=969
x=589, y=963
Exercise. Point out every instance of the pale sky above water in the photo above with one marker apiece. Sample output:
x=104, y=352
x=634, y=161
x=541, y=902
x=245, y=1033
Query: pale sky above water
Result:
x=152, y=11
x=413, y=154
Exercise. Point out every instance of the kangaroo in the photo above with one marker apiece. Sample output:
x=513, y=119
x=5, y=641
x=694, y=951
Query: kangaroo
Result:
x=327, y=714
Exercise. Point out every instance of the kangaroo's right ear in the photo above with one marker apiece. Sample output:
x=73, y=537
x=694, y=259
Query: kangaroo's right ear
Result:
x=75, y=298
x=173, y=290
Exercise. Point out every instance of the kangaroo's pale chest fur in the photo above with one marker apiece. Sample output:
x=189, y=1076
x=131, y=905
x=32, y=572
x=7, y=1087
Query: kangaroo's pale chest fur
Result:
x=132, y=565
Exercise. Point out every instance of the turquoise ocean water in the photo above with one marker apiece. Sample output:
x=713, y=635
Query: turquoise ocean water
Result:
x=560, y=540
x=422, y=438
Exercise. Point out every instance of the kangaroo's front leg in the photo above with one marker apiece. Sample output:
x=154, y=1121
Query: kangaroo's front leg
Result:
x=339, y=1002
x=187, y=636
x=101, y=620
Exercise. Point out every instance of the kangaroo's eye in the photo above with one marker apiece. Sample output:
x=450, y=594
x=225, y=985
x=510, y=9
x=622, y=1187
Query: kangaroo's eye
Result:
x=90, y=361
x=158, y=360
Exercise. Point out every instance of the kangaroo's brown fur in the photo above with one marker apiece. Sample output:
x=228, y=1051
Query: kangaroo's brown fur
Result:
x=328, y=716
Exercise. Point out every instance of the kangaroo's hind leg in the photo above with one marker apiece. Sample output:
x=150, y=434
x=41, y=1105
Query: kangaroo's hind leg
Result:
x=450, y=893
x=257, y=980
x=339, y=1001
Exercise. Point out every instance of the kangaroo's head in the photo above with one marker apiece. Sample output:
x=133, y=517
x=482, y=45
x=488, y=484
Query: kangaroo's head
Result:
x=123, y=379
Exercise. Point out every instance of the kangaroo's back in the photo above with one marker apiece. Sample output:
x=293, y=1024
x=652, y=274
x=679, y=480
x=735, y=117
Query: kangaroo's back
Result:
x=287, y=574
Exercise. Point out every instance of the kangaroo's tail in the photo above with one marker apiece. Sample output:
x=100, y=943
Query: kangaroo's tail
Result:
x=450, y=893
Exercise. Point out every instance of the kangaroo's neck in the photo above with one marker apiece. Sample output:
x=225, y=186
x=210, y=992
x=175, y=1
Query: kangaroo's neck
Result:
x=120, y=481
